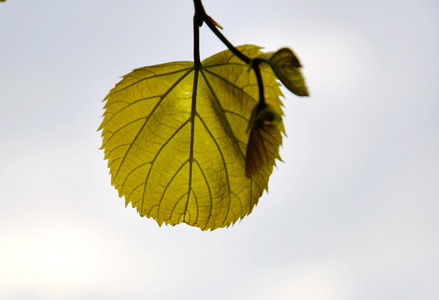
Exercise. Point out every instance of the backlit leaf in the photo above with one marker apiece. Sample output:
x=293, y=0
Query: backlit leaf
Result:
x=180, y=157
x=264, y=141
x=286, y=65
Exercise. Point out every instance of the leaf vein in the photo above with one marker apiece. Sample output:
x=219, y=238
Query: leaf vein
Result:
x=224, y=163
x=112, y=93
x=210, y=193
x=166, y=188
x=152, y=113
x=157, y=154
x=229, y=129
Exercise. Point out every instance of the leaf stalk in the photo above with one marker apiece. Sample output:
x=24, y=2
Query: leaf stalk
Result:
x=201, y=17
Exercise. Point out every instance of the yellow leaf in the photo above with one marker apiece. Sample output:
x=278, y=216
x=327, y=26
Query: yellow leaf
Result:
x=180, y=157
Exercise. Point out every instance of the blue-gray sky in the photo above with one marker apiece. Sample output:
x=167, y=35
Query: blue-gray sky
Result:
x=350, y=214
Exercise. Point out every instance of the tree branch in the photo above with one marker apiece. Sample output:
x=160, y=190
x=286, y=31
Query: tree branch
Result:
x=201, y=17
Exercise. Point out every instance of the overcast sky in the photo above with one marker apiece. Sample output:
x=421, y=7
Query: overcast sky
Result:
x=352, y=213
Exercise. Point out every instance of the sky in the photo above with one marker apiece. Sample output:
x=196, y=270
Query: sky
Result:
x=351, y=213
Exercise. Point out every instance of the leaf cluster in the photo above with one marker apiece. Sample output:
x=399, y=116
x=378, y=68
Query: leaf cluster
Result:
x=196, y=142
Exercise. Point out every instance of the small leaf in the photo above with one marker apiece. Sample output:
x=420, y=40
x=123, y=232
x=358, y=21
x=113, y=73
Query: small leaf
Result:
x=176, y=143
x=286, y=66
x=262, y=148
x=264, y=141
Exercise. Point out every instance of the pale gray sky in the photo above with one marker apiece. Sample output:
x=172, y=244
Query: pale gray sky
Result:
x=350, y=214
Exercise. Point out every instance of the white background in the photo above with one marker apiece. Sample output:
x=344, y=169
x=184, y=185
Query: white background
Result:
x=352, y=213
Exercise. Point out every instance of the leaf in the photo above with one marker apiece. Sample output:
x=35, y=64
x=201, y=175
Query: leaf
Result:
x=286, y=66
x=264, y=141
x=178, y=153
